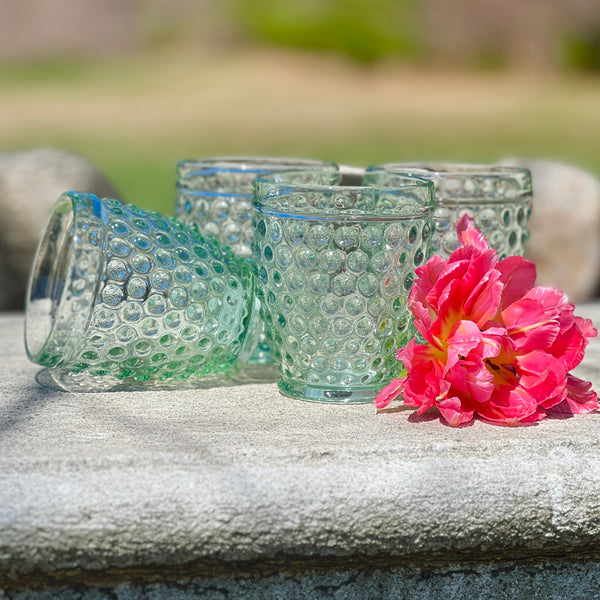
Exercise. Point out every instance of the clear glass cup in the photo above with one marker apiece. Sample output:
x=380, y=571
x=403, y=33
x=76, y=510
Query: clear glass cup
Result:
x=216, y=195
x=334, y=265
x=497, y=197
x=120, y=298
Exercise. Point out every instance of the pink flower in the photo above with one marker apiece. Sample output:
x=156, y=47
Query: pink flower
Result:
x=495, y=345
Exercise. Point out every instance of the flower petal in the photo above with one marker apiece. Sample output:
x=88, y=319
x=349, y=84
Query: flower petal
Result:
x=484, y=301
x=389, y=393
x=508, y=406
x=471, y=381
x=427, y=276
x=543, y=376
x=518, y=276
x=453, y=412
x=468, y=234
x=587, y=328
x=424, y=383
x=493, y=341
x=534, y=321
x=580, y=398
x=465, y=337
x=453, y=272
x=569, y=346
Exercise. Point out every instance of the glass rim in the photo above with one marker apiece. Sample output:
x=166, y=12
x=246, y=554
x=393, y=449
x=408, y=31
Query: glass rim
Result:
x=97, y=210
x=457, y=170
x=278, y=178
x=276, y=186
x=246, y=164
x=452, y=168
x=440, y=172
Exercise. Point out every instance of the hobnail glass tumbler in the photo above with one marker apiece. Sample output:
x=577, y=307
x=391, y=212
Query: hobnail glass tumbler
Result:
x=333, y=266
x=120, y=298
x=216, y=195
x=498, y=198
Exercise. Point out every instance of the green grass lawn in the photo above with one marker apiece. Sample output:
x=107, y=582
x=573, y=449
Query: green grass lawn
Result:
x=136, y=117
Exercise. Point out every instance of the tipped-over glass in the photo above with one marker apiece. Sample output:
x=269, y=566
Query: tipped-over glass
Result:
x=120, y=298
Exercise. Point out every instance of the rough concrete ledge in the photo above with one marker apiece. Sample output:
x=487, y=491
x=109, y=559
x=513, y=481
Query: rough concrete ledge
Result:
x=239, y=492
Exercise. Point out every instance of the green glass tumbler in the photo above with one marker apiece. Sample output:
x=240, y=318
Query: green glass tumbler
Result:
x=497, y=197
x=334, y=265
x=120, y=298
x=215, y=194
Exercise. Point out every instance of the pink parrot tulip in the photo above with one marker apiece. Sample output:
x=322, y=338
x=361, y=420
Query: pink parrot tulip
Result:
x=495, y=345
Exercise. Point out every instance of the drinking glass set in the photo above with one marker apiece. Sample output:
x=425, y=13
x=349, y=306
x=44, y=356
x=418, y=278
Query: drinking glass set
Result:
x=301, y=264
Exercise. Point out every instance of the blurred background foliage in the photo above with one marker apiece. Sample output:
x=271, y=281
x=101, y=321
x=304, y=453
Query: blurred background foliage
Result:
x=136, y=85
x=479, y=33
x=363, y=31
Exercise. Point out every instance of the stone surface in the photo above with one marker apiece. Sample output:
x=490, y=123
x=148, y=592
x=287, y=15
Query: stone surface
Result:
x=239, y=492
x=30, y=183
x=565, y=227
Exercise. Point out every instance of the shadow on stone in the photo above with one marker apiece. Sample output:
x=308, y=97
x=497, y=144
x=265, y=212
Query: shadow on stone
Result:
x=25, y=405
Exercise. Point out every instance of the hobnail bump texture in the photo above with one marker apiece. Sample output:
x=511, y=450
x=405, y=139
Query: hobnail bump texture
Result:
x=120, y=298
x=334, y=266
x=498, y=199
x=219, y=202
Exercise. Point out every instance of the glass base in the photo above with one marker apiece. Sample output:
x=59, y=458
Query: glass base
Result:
x=83, y=382
x=302, y=391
